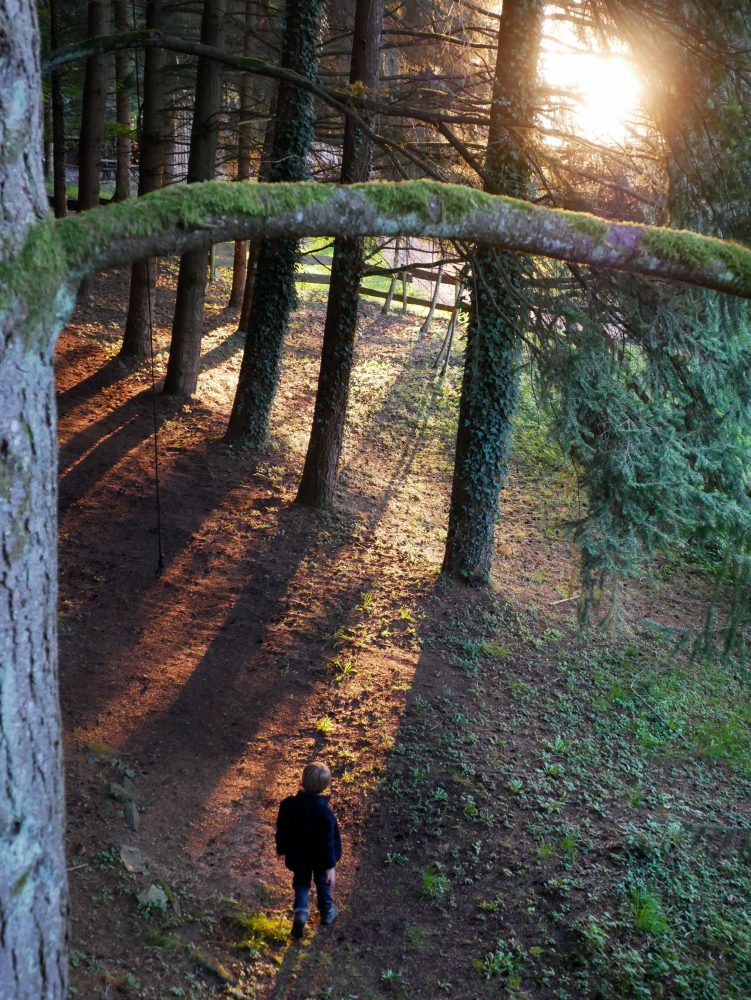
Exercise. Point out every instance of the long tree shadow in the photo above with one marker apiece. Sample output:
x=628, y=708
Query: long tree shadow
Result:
x=212, y=680
x=91, y=453
x=109, y=546
x=112, y=370
x=251, y=698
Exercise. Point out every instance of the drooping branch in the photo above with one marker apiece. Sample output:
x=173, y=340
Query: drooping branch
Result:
x=182, y=217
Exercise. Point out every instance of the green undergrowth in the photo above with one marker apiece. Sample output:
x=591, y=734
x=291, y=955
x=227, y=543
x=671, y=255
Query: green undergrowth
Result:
x=260, y=932
x=572, y=821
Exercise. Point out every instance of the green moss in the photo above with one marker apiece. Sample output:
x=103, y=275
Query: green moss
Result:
x=19, y=884
x=700, y=252
x=588, y=225
x=421, y=198
x=32, y=286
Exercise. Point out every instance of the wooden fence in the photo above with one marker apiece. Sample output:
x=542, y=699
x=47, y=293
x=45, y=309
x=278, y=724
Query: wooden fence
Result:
x=403, y=275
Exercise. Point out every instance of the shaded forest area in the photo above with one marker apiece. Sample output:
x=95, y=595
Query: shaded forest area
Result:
x=481, y=544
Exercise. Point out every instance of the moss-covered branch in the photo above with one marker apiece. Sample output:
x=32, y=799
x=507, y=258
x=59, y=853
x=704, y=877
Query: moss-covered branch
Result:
x=183, y=217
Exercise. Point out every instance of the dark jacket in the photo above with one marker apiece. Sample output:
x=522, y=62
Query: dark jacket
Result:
x=307, y=833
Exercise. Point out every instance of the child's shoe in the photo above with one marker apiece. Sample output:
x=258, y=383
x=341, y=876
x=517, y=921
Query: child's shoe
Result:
x=330, y=917
x=298, y=925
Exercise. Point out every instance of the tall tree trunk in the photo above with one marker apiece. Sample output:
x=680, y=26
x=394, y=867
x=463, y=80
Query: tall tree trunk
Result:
x=320, y=473
x=264, y=169
x=245, y=135
x=122, y=98
x=274, y=286
x=47, y=117
x=489, y=386
x=92, y=112
x=185, y=348
x=150, y=172
x=59, y=179
x=33, y=882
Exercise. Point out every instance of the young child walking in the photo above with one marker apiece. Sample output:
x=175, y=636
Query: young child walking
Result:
x=307, y=835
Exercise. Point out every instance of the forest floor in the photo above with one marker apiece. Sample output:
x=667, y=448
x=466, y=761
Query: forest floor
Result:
x=528, y=809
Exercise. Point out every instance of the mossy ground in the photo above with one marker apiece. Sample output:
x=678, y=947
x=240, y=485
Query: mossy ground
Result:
x=528, y=810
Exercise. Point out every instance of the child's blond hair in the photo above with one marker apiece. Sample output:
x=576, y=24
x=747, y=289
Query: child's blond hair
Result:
x=316, y=778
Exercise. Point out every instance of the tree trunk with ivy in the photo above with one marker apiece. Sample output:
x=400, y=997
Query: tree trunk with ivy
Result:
x=93, y=112
x=320, y=474
x=489, y=386
x=274, y=282
x=136, y=341
x=187, y=325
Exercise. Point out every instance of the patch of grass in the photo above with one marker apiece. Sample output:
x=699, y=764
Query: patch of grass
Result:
x=495, y=650
x=325, y=725
x=545, y=851
x=434, y=884
x=260, y=931
x=647, y=913
x=392, y=978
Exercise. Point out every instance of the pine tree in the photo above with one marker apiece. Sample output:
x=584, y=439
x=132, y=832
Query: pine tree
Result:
x=321, y=469
x=136, y=339
x=187, y=325
x=489, y=384
x=274, y=285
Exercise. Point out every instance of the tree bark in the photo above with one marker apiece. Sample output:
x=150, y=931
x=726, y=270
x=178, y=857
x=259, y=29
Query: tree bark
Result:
x=122, y=98
x=33, y=882
x=59, y=180
x=489, y=385
x=264, y=168
x=185, y=347
x=92, y=112
x=239, y=263
x=274, y=286
x=136, y=340
x=321, y=470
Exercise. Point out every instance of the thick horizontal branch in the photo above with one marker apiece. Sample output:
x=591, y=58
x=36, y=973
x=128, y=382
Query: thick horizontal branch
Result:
x=182, y=217
x=59, y=253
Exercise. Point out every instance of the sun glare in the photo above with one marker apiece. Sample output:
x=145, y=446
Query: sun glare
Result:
x=603, y=90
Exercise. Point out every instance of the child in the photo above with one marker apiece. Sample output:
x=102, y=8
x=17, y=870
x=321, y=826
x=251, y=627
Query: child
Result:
x=307, y=835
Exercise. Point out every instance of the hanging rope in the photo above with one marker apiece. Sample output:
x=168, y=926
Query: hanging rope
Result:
x=139, y=133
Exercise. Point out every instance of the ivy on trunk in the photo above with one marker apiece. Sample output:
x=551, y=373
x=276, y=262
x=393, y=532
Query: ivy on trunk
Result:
x=489, y=385
x=274, y=281
x=321, y=469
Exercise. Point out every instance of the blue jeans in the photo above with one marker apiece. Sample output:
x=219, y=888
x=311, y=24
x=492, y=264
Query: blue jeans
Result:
x=301, y=886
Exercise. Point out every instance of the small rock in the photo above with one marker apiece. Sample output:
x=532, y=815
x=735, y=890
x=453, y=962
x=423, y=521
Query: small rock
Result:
x=154, y=896
x=133, y=859
x=172, y=899
x=131, y=814
x=129, y=787
x=118, y=792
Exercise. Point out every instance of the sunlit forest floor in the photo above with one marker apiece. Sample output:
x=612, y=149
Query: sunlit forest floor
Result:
x=528, y=809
